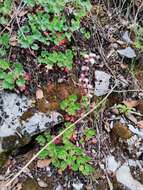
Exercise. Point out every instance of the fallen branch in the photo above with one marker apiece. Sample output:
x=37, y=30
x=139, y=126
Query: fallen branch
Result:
x=77, y=121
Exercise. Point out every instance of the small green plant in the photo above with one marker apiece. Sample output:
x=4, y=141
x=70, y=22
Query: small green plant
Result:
x=5, y=10
x=70, y=105
x=90, y=133
x=44, y=28
x=57, y=58
x=85, y=102
x=11, y=75
x=65, y=154
x=138, y=42
x=86, y=34
x=4, y=44
x=123, y=109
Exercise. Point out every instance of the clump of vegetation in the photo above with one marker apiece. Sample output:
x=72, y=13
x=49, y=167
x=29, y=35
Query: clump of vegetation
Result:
x=60, y=59
x=123, y=109
x=11, y=75
x=70, y=105
x=54, y=24
x=5, y=10
x=138, y=41
x=50, y=26
x=65, y=154
x=4, y=44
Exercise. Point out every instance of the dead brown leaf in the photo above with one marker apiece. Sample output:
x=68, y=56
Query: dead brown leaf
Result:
x=140, y=124
x=131, y=103
x=43, y=163
x=39, y=94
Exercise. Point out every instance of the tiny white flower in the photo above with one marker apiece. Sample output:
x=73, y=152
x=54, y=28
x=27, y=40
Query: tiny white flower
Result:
x=92, y=60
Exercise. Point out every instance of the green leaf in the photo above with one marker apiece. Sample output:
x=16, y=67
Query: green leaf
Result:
x=56, y=163
x=2, y=75
x=88, y=169
x=6, y=7
x=2, y=52
x=35, y=47
x=4, y=64
x=68, y=35
x=68, y=134
x=71, y=160
x=4, y=40
x=83, y=159
x=75, y=167
x=64, y=104
x=90, y=133
x=20, y=81
x=78, y=150
x=72, y=98
x=63, y=165
x=41, y=140
x=10, y=78
x=30, y=3
x=6, y=85
x=43, y=154
x=61, y=153
x=18, y=69
x=71, y=111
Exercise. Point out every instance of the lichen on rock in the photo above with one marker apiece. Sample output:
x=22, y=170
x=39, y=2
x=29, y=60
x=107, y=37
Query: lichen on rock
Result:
x=16, y=126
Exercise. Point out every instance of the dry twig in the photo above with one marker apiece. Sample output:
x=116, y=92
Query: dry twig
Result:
x=77, y=121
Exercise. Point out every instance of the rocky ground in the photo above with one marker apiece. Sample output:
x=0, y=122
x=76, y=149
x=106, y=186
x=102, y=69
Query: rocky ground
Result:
x=110, y=70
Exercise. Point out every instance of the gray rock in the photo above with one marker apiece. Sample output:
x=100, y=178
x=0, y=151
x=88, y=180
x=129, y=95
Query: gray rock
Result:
x=77, y=185
x=122, y=173
x=102, y=83
x=127, y=38
x=127, y=52
x=124, y=176
x=15, y=133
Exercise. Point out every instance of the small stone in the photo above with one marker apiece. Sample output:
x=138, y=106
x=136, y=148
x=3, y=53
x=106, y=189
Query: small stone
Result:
x=111, y=164
x=127, y=52
x=102, y=83
x=15, y=132
x=42, y=184
x=77, y=186
x=136, y=131
x=125, y=177
x=127, y=38
x=59, y=187
x=114, y=45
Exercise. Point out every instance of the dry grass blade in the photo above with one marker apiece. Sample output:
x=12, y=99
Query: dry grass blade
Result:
x=77, y=121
